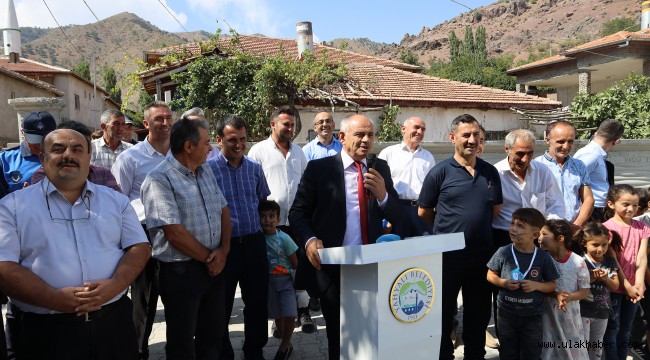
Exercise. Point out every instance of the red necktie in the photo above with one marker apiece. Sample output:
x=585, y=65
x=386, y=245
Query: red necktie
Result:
x=363, y=204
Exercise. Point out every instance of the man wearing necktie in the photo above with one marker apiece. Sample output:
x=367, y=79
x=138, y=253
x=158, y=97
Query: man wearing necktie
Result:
x=341, y=202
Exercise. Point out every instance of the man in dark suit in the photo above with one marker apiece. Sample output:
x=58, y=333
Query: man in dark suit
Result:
x=328, y=212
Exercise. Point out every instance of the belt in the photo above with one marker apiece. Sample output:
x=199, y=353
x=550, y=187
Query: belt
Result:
x=245, y=238
x=408, y=202
x=73, y=318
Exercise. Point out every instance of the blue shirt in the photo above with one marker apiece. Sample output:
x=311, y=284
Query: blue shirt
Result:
x=463, y=203
x=72, y=243
x=593, y=156
x=18, y=166
x=570, y=177
x=279, y=247
x=317, y=150
x=172, y=194
x=243, y=187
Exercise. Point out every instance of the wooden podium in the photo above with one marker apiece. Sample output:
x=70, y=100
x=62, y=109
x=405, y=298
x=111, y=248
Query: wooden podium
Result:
x=391, y=296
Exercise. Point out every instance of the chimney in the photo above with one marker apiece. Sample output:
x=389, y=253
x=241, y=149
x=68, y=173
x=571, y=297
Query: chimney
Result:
x=645, y=15
x=306, y=38
x=10, y=31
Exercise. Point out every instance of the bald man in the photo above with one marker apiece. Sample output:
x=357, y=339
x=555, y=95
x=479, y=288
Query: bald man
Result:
x=409, y=164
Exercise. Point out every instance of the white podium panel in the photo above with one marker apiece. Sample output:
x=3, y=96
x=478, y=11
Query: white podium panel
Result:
x=391, y=296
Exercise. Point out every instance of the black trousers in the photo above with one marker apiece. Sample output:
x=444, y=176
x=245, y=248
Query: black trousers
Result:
x=3, y=343
x=144, y=293
x=411, y=224
x=108, y=335
x=466, y=272
x=194, y=310
x=247, y=265
x=330, y=302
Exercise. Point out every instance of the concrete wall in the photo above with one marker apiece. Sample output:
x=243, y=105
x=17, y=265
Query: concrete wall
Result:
x=438, y=120
x=8, y=124
x=72, y=86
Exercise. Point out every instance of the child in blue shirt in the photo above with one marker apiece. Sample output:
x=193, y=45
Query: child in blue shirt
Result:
x=281, y=254
x=525, y=274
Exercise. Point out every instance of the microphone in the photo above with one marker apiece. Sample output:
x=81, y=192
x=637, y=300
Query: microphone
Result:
x=370, y=160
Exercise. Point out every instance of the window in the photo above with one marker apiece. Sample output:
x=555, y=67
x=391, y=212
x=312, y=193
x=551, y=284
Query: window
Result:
x=13, y=95
x=77, y=104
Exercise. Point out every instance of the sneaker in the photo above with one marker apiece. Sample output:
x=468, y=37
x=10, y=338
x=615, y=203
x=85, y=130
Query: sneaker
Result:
x=314, y=304
x=490, y=341
x=276, y=332
x=307, y=323
x=283, y=355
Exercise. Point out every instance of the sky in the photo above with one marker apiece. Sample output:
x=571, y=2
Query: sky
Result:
x=379, y=20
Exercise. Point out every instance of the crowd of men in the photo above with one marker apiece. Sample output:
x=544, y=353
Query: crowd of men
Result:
x=176, y=219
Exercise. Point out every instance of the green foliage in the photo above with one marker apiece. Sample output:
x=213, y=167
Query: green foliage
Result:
x=619, y=24
x=110, y=83
x=470, y=63
x=409, y=57
x=389, y=128
x=628, y=101
x=250, y=86
x=82, y=69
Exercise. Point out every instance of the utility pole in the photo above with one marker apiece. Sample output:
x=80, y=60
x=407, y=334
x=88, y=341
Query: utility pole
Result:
x=95, y=117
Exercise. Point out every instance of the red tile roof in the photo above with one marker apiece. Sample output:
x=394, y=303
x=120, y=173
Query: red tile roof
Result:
x=378, y=80
x=621, y=36
x=385, y=83
x=35, y=83
x=266, y=46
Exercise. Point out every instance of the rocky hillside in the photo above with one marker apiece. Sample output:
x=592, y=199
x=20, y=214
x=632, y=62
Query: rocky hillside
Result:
x=110, y=39
x=513, y=27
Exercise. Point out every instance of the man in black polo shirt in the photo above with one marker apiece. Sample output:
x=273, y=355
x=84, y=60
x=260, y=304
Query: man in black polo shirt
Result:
x=466, y=193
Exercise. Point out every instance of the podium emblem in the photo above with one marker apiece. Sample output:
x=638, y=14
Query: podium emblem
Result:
x=411, y=295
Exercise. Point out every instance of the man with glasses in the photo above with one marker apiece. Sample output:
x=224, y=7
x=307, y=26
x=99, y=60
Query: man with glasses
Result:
x=325, y=144
x=68, y=251
x=594, y=155
x=108, y=147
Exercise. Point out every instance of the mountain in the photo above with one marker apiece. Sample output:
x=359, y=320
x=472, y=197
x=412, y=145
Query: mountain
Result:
x=518, y=27
x=110, y=39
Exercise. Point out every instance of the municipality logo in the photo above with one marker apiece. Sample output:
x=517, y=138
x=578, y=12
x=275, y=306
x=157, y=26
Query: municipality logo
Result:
x=411, y=296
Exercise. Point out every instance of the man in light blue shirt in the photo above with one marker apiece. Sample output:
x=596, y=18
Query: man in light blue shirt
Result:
x=594, y=154
x=570, y=173
x=325, y=144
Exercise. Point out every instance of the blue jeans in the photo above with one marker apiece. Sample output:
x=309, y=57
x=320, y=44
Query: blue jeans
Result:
x=519, y=336
x=619, y=326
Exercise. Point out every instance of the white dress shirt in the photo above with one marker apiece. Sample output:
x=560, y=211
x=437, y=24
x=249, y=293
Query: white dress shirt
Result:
x=282, y=173
x=538, y=190
x=103, y=155
x=131, y=168
x=69, y=244
x=407, y=169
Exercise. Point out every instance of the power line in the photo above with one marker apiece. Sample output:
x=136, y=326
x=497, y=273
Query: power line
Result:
x=454, y=1
x=60, y=28
x=105, y=29
x=170, y=13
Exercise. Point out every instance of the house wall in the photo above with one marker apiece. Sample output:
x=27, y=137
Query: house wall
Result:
x=20, y=89
x=72, y=86
x=566, y=94
x=437, y=119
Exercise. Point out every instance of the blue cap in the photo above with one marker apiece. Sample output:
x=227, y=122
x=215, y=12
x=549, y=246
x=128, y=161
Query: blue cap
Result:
x=36, y=125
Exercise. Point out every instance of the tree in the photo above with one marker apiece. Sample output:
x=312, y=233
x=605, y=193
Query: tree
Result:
x=389, y=128
x=82, y=69
x=468, y=47
x=110, y=83
x=627, y=101
x=409, y=57
x=249, y=86
x=619, y=24
x=480, y=43
x=454, y=46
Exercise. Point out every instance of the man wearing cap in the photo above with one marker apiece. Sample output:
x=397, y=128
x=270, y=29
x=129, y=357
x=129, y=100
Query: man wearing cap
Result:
x=325, y=144
x=19, y=163
x=129, y=131
x=106, y=148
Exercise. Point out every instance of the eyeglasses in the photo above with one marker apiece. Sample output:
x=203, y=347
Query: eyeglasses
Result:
x=83, y=200
x=324, y=121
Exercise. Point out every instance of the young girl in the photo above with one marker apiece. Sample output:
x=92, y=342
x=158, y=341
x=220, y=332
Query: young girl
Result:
x=561, y=320
x=595, y=309
x=622, y=203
